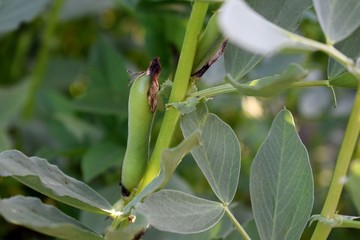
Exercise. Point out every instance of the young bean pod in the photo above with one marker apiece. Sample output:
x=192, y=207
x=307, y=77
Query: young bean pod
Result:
x=210, y=46
x=141, y=108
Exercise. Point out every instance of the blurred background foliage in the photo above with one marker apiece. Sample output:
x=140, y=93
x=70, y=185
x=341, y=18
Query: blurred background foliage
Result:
x=64, y=84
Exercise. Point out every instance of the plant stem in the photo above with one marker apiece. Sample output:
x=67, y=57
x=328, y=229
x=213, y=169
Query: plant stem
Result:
x=42, y=58
x=237, y=225
x=179, y=89
x=329, y=49
x=342, y=164
x=228, y=88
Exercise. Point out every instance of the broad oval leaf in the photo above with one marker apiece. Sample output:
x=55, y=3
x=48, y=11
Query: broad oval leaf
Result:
x=269, y=86
x=338, y=19
x=30, y=212
x=248, y=29
x=47, y=179
x=218, y=156
x=281, y=183
x=175, y=211
x=14, y=12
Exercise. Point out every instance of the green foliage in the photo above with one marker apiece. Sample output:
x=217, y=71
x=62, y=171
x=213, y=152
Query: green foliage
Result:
x=49, y=220
x=281, y=183
x=38, y=174
x=64, y=96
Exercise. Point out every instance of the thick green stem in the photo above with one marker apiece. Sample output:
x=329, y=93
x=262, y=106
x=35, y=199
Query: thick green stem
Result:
x=342, y=164
x=179, y=89
x=42, y=58
x=237, y=225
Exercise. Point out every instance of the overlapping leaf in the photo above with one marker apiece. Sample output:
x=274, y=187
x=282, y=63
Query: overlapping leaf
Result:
x=43, y=177
x=30, y=212
x=338, y=20
x=281, y=184
x=218, y=156
x=174, y=211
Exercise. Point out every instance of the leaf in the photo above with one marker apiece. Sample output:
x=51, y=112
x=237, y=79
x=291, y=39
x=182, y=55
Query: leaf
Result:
x=247, y=29
x=269, y=86
x=174, y=211
x=284, y=13
x=84, y=8
x=346, y=80
x=47, y=179
x=351, y=48
x=101, y=157
x=109, y=82
x=30, y=212
x=15, y=12
x=281, y=184
x=11, y=101
x=238, y=62
x=170, y=159
x=337, y=20
x=352, y=185
x=218, y=156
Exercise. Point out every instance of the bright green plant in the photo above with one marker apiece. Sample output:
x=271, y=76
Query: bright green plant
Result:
x=281, y=177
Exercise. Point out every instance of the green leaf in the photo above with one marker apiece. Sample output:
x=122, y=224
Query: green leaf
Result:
x=11, y=101
x=30, y=212
x=47, y=179
x=352, y=185
x=246, y=28
x=346, y=80
x=174, y=211
x=218, y=156
x=170, y=159
x=5, y=142
x=351, y=48
x=101, y=157
x=108, y=89
x=281, y=183
x=239, y=62
x=269, y=86
x=284, y=13
x=14, y=12
x=337, y=20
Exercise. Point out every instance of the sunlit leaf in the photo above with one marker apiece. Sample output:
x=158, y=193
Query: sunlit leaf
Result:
x=338, y=20
x=281, y=183
x=218, y=156
x=284, y=13
x=174, y=211
x=246, y=28
x=14, y=12
x=30, y=212
x=46, y=178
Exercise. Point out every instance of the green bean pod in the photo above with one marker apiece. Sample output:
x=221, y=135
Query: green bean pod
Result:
x=140, y=117
x=210, y=46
